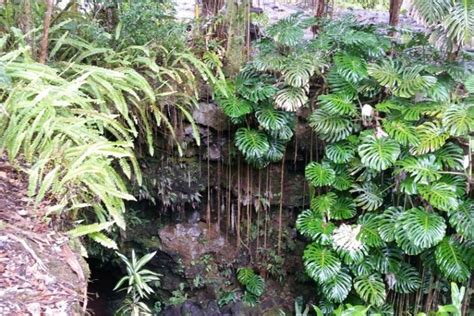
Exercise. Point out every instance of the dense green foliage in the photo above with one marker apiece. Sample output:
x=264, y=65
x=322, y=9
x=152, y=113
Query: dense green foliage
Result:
x=451, y=22
x=79, y=119
x=269, y=89
x=253, y=283
x=138, y=283
x=391, y=212
x=391, y=189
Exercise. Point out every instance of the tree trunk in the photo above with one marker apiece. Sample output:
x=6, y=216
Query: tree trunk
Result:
x=395, y=6
x=211, y=7
x=26, y=24
x=319, y=10
x=43, y=55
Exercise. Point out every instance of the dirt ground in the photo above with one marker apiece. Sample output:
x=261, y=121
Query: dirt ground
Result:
x=39, y=273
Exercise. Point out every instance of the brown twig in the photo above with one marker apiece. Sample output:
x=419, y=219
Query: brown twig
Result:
x=30, y=250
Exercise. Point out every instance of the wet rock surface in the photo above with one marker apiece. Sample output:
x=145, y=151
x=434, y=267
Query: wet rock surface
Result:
x=210, y=114
x=191, y=240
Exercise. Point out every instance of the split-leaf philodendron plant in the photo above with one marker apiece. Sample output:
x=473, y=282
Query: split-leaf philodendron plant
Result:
x=390, y=207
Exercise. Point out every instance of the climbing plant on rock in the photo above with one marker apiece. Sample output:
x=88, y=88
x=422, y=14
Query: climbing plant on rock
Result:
x=264, y=96
x=391, y=207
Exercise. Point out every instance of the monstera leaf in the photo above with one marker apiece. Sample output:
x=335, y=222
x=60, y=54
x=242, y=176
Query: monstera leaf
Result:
x=441, y=195
x=233, y=106
x=369, y=196
x=320, y=174
x=451, y=261
x=459, y=119
x=331, y=127
x=369, y=233
x=403, y=132
x=340, y=152
x=311, y=224
x=388, y=222
x=270, y=118
x=323, y=203
x=378, y=153
x=423, y=169
x=371, y=289
x=291, y=98
x=337, y=288
x=337, y=104
x=253, y=283
x=462, y=219
x=321, y=263
x=432, y=137
x=343, y=208
x=425, y=229
x=252, y=143
x=386, y=259
x=406, y=279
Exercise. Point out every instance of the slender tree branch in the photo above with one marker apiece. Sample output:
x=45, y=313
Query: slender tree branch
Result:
x=43, y=55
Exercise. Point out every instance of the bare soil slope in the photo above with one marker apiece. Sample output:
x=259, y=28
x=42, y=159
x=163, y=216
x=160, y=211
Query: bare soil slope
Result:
x=39, y=273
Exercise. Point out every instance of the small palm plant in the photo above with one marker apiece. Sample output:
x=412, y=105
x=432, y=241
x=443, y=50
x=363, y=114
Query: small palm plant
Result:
x=137, y=283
